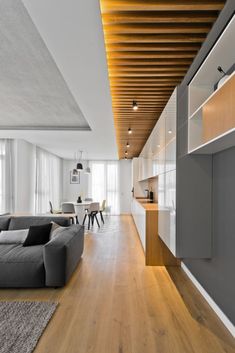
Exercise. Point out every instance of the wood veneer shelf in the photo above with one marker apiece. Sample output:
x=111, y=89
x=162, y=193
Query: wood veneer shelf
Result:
x=212, y=128
x=211, y=121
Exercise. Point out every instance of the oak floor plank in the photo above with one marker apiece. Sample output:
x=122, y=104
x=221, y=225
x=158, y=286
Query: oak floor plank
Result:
x=115, y=304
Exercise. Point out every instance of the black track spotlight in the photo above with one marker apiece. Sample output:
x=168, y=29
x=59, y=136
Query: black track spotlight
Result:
x=135, y=105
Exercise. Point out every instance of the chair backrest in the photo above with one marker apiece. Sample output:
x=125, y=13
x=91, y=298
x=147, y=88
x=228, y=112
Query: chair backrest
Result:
x=51, y=207
x=68, y=208
x=88, y=199
x=103, y=205
x=94, y=207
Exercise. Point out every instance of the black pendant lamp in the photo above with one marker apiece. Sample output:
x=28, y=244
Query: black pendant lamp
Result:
x=79, y=164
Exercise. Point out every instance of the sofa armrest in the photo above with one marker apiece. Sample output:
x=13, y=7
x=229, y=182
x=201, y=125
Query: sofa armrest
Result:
x=62, y=254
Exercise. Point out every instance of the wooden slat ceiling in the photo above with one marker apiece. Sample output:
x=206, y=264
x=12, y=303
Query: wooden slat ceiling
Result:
x=150, y=45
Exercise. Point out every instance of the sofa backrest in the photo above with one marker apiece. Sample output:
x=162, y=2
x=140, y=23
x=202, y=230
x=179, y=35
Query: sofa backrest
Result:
x=4, y=222
x=25, y=222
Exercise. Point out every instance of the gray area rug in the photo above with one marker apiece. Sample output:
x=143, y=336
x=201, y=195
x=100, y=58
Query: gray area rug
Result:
x=22, y=324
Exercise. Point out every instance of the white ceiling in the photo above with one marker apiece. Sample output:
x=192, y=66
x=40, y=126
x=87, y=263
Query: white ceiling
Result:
x=72, y=32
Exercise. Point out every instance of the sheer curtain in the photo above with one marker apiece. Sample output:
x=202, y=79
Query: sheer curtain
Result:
x=48, y=181
x=104, y=184
x=6, y=176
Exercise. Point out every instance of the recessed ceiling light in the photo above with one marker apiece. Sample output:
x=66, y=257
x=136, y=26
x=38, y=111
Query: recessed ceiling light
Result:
x=129, y=131
x=134, y=105
x=126, y=153
x=127, y=145
x=158, y=145
x=125, y=158
x=169, y=131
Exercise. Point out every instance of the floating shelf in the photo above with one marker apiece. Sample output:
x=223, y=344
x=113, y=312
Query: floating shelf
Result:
x=211, y=121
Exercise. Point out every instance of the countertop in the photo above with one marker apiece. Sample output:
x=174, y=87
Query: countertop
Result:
x=148, y=206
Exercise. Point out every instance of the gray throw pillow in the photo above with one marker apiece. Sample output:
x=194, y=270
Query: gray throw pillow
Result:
x=13, y=236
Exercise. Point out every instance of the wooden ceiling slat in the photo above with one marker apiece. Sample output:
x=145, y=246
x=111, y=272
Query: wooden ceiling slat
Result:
x=150, y=62
x=156, y=5
x=158, y=28
x=146, y=74
x=160, y=17
x=155, y=38
x=133, y=47
x=150, y=46
x=151, y=55
x=136, y=68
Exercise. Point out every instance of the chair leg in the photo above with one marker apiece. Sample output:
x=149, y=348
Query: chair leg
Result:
x=97, y=220
x=84, y=219
x=72, y=220
x=89, y=217
x=77, y=221
x=101, y=216
x=92, y=220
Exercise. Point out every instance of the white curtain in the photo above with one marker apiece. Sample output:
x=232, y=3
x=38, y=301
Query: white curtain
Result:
x=104, y=184
x=6, y=176
x=48, y=181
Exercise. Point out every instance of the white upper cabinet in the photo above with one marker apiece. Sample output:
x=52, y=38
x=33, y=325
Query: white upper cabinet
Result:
x=170, y=134
x=159, y=152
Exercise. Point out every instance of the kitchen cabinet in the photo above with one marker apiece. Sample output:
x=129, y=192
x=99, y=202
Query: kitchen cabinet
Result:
x=145, y=216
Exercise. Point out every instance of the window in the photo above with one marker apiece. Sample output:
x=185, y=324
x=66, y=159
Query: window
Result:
x=104, y=184
x=6, y=176
x=48, y=181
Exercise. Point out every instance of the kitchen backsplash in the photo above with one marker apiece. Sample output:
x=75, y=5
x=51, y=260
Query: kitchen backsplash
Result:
x=153, y=186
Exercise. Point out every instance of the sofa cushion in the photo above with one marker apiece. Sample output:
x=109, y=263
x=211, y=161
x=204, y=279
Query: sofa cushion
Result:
x=38, y=235
x=24, y=222
x=21, y=266
x=4, y=222
x=13, y=236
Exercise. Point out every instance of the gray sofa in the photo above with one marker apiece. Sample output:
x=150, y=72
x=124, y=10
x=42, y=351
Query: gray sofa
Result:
x=49, y=265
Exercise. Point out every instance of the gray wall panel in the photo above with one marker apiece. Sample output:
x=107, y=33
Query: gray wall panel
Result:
x=216, y=274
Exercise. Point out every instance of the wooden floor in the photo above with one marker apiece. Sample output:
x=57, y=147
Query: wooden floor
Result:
x=114, y=304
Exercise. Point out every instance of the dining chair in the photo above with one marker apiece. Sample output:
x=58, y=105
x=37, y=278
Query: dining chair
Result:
x=52, y=209
x=91, y=212
x=102, y=209
x=69, y=208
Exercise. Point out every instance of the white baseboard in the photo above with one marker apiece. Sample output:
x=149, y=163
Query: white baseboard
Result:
x=229, y=325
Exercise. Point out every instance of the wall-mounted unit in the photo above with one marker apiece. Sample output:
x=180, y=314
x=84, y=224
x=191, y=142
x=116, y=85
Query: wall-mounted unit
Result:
x=176, y=220
x=211, y=121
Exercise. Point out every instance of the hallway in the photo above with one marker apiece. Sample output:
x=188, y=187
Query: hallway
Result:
x=115, y=304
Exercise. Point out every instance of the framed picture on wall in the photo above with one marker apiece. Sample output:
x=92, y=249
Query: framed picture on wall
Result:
x=74, y=177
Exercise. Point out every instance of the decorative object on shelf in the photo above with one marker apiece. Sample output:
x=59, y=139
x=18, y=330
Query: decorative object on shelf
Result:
x=74, y=177
x=223, y=79
x=135, y=105
x=79, y=200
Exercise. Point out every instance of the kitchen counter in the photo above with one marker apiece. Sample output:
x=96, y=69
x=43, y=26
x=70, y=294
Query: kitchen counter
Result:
x=147, y=205
x=145, y=216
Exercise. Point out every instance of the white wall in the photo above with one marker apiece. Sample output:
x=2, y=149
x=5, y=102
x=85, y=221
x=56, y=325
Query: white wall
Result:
x=72, y=191
x=125, y=186
x=25, y=176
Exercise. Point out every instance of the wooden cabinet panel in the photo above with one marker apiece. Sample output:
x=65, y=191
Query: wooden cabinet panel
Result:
x=219, y=112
